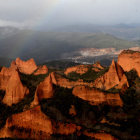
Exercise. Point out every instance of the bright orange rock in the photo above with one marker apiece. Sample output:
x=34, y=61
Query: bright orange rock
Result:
x=129, y=60
x=41, y=70
x=96, y=69
x=98, y=65
x=64, y=82
x=53, y=77
x=5, y=75
x=13, y=64
x=123, y=82
x=34, y=124
x=114, y=76
x=95, y=97
x=15, y=91
x=80, y=69
x=44, y=90
x=37, y=124
x=27, y=67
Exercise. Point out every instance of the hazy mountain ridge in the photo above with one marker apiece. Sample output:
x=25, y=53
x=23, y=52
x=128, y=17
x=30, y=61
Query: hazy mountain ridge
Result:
x=43, y=46
x=7, y=31
x=123, y=31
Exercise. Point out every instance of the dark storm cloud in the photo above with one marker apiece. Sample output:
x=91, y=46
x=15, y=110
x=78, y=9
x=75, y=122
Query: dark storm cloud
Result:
x=29, y=13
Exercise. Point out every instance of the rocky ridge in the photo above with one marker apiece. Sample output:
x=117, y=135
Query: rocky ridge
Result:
x=129, y=60
x=32, y=123
x=80, y=69
x=95, y=97
x=11, y=84
x=114, y=77
x=41, y=70
x=27, y=67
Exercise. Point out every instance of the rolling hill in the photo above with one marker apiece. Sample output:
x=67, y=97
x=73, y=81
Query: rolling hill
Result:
x=124, y=31
x=43, y=46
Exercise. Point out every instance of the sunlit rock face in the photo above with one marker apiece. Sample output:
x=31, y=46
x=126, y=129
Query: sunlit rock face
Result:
x=15, y=91
x=129, y=60
x=27, y=67
x=5, y=75
x=41, y=70
x=95, y=97
x=98, y=65
x=44, y=90
x=80, y=69
x=34, y=124
x=114, y=76
x=66, y=83
x=29, y=124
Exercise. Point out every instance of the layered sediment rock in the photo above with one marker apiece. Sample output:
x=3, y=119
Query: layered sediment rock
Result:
x=129, y=60
x=41, y=70
x=95, y=97
x=114, y=76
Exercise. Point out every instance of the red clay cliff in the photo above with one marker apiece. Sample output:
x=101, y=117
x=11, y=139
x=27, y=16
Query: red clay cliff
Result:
x=129, y=60
x=41, y=70
x=35, y=125
x=27, y=67
x=114, y=77
x=80, y=69
x=15, y=91
x=95, y=97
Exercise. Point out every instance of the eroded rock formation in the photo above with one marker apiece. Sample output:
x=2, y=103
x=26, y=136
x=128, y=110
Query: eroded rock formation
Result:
x=129, y=60
x=98, y=65
x=80, y=69
x=34, y=124
x=41, y=70
x=63, y=82
x=5, y=75
x=44, y=90
x=95, y=97
x=114, y=76
x=15, y=91
x=27, y=67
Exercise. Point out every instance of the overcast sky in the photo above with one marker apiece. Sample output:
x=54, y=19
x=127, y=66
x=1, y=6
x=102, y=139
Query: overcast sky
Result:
x=53, y=13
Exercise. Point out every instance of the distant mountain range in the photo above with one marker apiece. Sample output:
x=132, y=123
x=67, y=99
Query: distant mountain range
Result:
x=123, y=31
x=7, y=31
x=44, y=46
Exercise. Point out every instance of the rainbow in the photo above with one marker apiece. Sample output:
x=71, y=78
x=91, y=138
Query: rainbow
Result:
x=51, y=8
